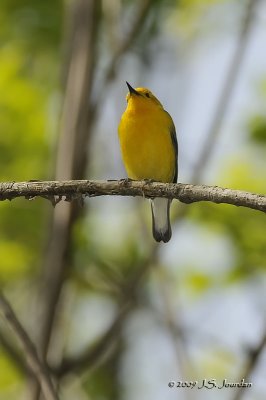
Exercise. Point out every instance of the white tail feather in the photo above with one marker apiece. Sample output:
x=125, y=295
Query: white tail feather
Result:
x=160, y=219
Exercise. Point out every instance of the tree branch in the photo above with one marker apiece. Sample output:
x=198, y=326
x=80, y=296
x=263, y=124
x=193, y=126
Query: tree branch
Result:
x=37, y=367
x=76, y=189
x=71, y=157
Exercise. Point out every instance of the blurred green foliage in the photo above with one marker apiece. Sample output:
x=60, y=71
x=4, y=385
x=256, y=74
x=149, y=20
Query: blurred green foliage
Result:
x=29, y=59
x=256, y=124
x=11, y=381
x=30, y=33
x=257, y=128
x=244, y=227
x=34, y=24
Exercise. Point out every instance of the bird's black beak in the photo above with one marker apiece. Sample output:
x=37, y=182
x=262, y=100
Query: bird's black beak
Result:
x=132, y=90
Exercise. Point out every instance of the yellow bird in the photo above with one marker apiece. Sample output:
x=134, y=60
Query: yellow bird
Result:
x=149, y=150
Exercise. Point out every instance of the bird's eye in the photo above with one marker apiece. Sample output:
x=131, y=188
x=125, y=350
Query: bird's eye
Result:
x=147, y=95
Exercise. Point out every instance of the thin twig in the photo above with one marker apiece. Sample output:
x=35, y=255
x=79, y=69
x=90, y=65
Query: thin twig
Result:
x=77, y=189
x=254, y=355
x=14, y=355
x=142, y=12
x=226, y=93
x=136, y=28
x=93, y=355
x=37, y=367
x=171, y=318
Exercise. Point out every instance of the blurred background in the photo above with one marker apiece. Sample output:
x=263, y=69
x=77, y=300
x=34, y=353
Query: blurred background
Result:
x=116, y=315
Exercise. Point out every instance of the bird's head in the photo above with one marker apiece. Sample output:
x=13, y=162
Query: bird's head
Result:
x=142, y=97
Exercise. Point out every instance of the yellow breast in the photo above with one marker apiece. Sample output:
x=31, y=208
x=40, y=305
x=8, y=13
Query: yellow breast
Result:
x=146, y=144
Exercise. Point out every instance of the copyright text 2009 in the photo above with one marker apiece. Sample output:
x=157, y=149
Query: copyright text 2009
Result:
x=209, y=384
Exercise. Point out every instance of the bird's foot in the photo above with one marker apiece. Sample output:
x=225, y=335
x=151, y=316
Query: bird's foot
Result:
x=126, y=180
x=149, y=180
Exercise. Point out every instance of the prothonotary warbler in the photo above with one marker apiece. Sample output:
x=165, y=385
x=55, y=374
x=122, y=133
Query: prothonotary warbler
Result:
x=149, y=150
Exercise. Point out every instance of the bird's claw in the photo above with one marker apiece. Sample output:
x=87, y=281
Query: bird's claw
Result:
x=126, y=180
